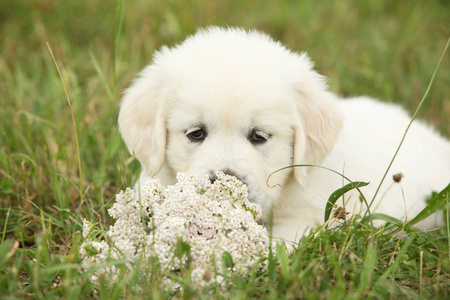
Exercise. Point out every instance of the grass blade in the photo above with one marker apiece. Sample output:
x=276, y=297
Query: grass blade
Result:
x=338, y=194
x=410, y=123
x=438, y=202
x=7, y=250
x=331, y=170
x=383, y=217
x=120, y=9
x=365, y=278
x=6, y=223
x=98, y=69
x=80, y=173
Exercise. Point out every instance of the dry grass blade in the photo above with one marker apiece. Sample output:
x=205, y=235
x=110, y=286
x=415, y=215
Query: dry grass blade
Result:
x=74, y=123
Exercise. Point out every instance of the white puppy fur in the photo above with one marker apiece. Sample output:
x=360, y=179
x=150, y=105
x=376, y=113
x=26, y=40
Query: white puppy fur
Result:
x=239, y=102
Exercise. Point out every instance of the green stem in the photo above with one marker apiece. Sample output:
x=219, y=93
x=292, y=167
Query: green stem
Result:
x=410, y=123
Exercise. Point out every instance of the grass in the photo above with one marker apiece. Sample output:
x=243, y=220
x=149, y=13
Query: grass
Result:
x=385, y=49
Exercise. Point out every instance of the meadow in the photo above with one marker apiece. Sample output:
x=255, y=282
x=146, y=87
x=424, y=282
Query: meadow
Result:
x=63, y=66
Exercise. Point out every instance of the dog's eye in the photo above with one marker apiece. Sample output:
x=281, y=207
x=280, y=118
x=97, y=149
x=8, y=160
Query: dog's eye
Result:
x=258, y=137
x=196, y=134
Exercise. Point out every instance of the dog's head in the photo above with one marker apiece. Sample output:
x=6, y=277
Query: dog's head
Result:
x=232, y=101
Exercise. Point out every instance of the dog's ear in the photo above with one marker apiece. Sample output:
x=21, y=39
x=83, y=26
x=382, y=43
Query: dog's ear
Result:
x=320, y=122
x=142, y=121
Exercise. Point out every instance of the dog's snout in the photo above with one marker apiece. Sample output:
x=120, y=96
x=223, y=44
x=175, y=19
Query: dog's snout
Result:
x=212, y=174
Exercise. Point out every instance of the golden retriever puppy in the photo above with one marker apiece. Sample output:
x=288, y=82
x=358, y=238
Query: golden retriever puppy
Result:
x=239, y=102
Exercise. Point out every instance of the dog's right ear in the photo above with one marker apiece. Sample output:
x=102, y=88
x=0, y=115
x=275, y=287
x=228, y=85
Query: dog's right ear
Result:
x=320, y=122
x=142, y=121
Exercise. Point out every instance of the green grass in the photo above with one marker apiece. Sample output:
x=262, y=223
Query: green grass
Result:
x=384, y=49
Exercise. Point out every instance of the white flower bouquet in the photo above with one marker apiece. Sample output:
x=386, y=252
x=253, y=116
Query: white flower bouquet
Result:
x=214, y=218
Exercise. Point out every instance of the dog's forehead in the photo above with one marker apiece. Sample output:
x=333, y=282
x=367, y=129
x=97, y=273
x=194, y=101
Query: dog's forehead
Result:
x=233, y=78
x=231, y=105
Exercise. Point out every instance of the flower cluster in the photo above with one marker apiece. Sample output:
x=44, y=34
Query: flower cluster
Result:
x=214, y=218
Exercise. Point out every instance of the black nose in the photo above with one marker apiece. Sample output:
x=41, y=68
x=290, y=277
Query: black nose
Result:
x=212, y=174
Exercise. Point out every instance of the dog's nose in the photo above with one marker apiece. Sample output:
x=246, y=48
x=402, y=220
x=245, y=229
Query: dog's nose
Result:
x=212, y=174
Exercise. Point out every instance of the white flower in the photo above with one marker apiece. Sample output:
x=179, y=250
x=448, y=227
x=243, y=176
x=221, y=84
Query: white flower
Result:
x=212, y=218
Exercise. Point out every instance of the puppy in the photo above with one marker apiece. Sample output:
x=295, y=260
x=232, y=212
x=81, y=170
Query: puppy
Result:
x=241, y=103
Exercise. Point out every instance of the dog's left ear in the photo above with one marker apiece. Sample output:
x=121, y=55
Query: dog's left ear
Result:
x=142, y=122
x=320, y=122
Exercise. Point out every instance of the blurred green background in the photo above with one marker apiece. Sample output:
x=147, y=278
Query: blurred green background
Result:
x=385, y=49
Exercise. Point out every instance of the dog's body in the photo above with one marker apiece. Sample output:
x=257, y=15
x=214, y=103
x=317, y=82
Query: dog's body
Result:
x=370, y=136
x=227, y=100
